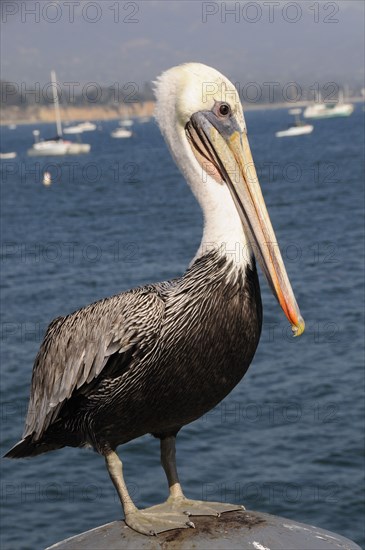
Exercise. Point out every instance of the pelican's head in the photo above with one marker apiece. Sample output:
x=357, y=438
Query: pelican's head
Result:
x=200, y=115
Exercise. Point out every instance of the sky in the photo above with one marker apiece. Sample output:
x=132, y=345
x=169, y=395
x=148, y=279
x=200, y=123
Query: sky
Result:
x=111, y=41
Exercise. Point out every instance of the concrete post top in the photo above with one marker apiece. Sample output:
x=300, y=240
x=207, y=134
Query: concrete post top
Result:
x=244, y=530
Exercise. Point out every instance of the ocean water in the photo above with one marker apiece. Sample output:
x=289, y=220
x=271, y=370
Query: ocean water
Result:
x=289, y=439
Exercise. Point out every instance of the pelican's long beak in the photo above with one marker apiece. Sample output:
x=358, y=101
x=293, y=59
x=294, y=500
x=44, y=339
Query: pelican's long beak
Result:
x=224, y=146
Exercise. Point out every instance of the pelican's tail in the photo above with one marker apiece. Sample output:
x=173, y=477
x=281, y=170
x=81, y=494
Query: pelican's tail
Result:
x=27, y=447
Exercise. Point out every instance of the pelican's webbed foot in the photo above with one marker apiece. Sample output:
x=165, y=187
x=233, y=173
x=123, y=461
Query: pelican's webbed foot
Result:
x=177, y=500
x=201, y=507
x=157, y=519
x=151, y=520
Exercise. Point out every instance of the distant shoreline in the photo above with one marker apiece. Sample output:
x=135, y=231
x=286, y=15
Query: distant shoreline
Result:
x=70, y=114
x=45, y=114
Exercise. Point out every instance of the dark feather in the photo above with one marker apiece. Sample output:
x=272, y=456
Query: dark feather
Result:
x=146, y=361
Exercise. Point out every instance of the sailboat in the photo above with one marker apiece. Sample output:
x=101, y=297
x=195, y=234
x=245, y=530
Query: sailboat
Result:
x=329, y=110
x=122, y=130
x=8, y=156
x=126, y=122
x=80, y=128
x=299, y=128
x=121, y=133
x=56, y=146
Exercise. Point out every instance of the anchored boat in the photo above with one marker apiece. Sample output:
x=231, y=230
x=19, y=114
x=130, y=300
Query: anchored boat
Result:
x=56, y=146
x=329, y=110
x=298, y=128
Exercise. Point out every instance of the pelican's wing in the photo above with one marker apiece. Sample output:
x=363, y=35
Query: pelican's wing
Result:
x=76, y=348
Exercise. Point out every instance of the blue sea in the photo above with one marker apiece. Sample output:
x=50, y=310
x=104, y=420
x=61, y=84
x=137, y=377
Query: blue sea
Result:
x=289, y=439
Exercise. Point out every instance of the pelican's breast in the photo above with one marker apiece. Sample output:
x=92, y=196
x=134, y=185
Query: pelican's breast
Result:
x=212, y=329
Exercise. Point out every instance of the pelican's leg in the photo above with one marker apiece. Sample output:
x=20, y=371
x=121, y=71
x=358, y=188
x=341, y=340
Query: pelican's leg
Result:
x=177, y=500
x=149, y=521
x=168, y=461
x=115, y=469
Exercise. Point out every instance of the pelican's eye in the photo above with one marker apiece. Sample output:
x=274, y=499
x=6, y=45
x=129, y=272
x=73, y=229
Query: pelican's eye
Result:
x=224, y=109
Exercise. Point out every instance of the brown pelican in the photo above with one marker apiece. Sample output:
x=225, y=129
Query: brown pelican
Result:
x=153, y=359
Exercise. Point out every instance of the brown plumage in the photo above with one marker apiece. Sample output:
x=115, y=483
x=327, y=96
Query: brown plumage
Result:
x=137, y=362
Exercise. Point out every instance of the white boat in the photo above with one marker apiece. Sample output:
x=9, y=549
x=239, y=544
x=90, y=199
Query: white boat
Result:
x=295, y=111
x=299, y=128
x=121, y=133
x=87, y=126
x=12, y=126
x=144, y=119
x=329, y=110
x=127, y=122
x=295, y=131
x=8, y=156
x=56, y=146
x=79, y=128
x=72, y=130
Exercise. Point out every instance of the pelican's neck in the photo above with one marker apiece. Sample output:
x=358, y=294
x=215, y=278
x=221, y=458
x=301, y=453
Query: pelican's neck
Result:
x=223, y=230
